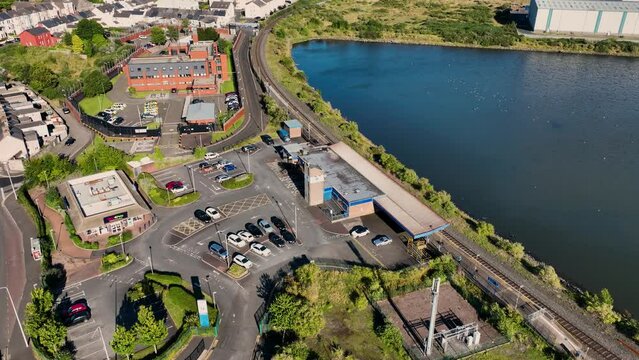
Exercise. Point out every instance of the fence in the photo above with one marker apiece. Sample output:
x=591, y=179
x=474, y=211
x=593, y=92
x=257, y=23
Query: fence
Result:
x=233, y=119
x=197, y=351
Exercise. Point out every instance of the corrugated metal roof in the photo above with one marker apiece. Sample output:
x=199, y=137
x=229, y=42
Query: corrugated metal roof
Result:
x=595, y=5
x=293, y=124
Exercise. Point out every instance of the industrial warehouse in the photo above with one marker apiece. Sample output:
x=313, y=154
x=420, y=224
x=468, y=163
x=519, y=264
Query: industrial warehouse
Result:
x=345, y=185
x=619, y=18
x=105, y=204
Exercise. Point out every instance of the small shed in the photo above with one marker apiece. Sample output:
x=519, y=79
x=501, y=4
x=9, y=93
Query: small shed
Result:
x=201, y=113
x=294, y=128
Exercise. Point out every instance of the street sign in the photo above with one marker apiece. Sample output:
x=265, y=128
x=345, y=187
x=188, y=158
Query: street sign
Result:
x=203, y=311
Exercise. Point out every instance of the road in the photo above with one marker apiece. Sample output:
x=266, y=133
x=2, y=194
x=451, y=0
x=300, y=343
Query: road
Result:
x=579, y=326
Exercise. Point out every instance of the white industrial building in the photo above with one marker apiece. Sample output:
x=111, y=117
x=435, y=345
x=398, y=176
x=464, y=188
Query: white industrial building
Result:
x=585, y=16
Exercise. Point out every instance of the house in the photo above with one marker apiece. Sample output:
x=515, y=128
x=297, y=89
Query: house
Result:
x=27, y=15
x=38, y=36
x=262, y=8
x=179, y=4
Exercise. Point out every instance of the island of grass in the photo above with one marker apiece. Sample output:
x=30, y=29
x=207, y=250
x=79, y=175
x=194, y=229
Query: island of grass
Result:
x=238, y=182
x=163, y=197
x=236, y=271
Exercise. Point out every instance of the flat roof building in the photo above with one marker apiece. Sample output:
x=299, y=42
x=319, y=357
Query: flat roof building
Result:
x=105, y=204
x=200, y=113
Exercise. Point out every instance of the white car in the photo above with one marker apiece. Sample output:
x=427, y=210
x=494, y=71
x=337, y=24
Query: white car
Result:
x=211, y=156
x=260, y=249
x=243, y=261
x=110, y=111
x=222, y=177
x=246, y=236
x=118, y=106
x=214, y=214
x=178, y=189
x=235, y=240
x=359, y=231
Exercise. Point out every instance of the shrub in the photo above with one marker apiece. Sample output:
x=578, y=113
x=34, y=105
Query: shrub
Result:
x=53, y=199
x=548, y=275
x=164, y=278
x=113, y=240
x=113, y=260
x=392, y=340
x=75, y=237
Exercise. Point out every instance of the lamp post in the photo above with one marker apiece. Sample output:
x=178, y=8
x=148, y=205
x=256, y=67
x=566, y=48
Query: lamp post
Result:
x=211, y=294
x=122, y=245
x=151, y=259
x=6, y=168
x=518, y=293
x=26, y=343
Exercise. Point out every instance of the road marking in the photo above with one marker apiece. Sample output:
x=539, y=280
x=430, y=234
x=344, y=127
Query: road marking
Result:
x=369, y=253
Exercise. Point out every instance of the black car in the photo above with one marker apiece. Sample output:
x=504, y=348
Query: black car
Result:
x=197, y=101
x=119, y=120
x=268, y=140
x=77, y=318
x=278, y=223
x=202, y=216
x=66, y=111
x=288, y=236
x=173, y=91
x=104, y=115
x=254, y=230
x=276, y=240
x=70, y=141
x=249, y=148
x=234, y=106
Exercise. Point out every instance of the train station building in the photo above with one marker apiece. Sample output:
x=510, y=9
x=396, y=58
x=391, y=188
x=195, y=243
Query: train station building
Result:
x=346, y=185
x=105, y=204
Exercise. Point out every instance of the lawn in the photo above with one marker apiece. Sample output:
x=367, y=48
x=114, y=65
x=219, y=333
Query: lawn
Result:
x=229, y=85
x=179, y=302
x=236, y=271
x=238, y=182
x=221, y=135
x=94, y=105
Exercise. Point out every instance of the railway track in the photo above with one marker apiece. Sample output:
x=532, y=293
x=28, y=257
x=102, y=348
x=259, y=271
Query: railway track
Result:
x=318, y=132
x=586, y=340
x=315, y=132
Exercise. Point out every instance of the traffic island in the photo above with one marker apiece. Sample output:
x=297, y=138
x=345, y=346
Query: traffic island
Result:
x=113, y=261
x=238, y=182
x=164, y=197
x=237, y=272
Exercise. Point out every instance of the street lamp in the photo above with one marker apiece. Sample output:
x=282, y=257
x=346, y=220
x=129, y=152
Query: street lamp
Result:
x=6, y=168
x=211, y=294
x=151, y=259
x=26, y=343
x=518, y=293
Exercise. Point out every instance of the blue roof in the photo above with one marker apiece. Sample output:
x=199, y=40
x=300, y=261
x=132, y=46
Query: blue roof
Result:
x=293, y=124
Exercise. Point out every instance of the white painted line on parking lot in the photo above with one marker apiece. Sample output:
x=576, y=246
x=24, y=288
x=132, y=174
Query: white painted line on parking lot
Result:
x=90, y=356
x=77, y=348
x=81, y=326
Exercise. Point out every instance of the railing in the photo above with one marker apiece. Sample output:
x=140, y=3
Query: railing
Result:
x=195, y=354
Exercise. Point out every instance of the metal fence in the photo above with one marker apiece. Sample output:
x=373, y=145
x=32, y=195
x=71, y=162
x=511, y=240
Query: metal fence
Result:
x=199, y=349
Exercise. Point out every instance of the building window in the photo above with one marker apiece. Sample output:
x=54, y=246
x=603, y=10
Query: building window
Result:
x=218, y=68
x=139, y=69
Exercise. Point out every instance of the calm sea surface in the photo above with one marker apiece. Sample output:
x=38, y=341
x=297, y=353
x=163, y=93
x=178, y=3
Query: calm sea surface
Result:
x=544, y=146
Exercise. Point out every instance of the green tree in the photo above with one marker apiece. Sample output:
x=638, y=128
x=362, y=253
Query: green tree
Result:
x=207, y=34
x=40, y=324
x=289, y=313
x=42, y=77
x=157, y=35
x=601, y=305
x=148, y=329
x=409, y=176
x=442, y=267
x=173, y=33
x=99, y=41
x=224, y=46
x=52, y=335
x=295, y=351
x=123, y=342
x=516, y=250
x=67, y=39
x=185, y=24
x=76, y=44
x=548, y=275
x=508, y=321
x=199, y=152
x=95, y=83
x=485, y=229
x=46, y=169
x=87, y=28
x=102, y=157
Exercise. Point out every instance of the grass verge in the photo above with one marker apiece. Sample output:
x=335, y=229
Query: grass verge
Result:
x=164, y=197
x=236, y=271
x=180, y=302
x=114, y=240
x=238, y=182
x=219, y=136
x=113, y=261
x=94, y=105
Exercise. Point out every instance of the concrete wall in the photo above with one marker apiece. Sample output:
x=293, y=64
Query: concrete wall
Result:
x=361, y=210
x=582, y=21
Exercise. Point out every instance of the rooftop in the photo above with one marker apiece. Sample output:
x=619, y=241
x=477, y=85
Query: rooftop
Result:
x=417, y=218
x=339, y=175
x=595, y=5
x=101, y=192
x=200, y=111
x=37, y=31
x=293, y=124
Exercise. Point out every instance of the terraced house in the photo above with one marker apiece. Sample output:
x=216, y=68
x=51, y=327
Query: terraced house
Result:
x=198, y=68
x=26, y=15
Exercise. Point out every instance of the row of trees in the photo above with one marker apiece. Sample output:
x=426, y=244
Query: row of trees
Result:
x=147, y=331
x=87, y=38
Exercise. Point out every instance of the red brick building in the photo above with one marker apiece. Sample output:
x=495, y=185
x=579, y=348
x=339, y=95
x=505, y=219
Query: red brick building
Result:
x=37, y=36
x=199, y=68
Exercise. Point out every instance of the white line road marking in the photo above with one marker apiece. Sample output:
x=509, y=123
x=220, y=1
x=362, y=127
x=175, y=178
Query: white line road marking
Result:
x=90, y=356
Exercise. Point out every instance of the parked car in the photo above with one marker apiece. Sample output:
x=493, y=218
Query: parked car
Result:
x=288, y=236
x=243, y=261
x=173, y=91
x=218, y=250
x=278, y=223
x=202, y=216
x=197, y=101
x=246, y=236
x=175, y=186
x=260, y=249
x=249, y=148
x=276, y=240
x=118, y=120
x=222, y=177
x=268, y=140
x=254, y=230
x=382, y=240
x=229, y=168
x=103, y=115
x=230, y=94
x=222, y=163
x=359, y=231
x=214, y=214
x=233, y=107
x=75, y=307
x=118, y=106
x=110, y=111
x=211, y=156
x=206, y=167
x=235, y=240
x=66, y=111
x=70, y=141
x=264, y=225
x=77, y=318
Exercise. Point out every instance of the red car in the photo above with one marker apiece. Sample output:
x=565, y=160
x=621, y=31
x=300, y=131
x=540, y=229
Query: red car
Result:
x=75, y=308
x=175, y=186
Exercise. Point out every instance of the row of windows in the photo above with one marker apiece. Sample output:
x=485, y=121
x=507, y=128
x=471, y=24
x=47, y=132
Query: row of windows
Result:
x=168, y=76
x=171, y=68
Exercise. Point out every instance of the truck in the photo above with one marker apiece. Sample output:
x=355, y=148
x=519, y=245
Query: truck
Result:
x=283, y=134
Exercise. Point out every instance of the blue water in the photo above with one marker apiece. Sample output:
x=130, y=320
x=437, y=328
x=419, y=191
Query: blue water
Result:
x=544, y=146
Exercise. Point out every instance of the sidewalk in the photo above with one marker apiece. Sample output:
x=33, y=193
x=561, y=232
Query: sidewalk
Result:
x=192, y=346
